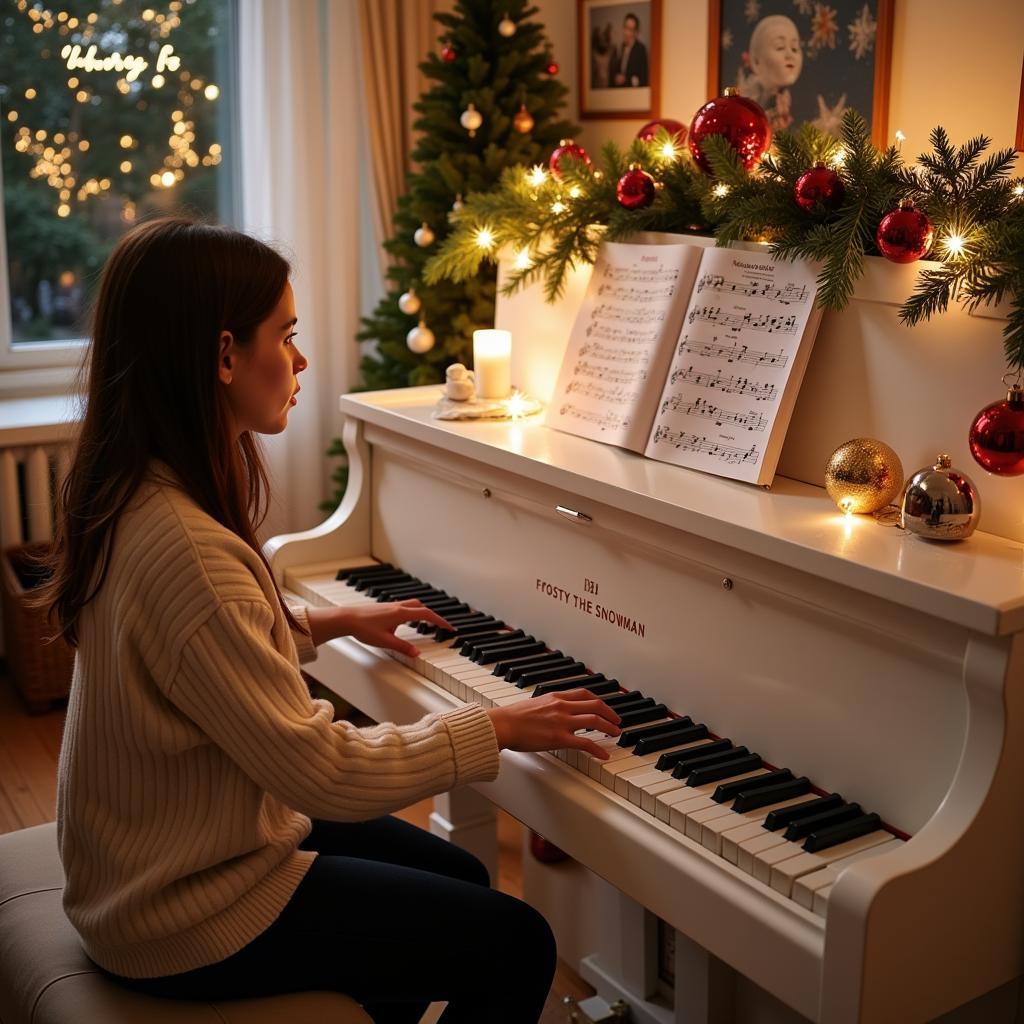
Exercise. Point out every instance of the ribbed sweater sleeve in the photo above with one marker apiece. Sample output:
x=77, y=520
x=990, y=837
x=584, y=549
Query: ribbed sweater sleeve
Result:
x=254, y=705
x=304, y=646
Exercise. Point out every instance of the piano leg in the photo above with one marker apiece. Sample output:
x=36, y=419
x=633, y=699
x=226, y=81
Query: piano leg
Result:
x=467, y=819
x=705, y=986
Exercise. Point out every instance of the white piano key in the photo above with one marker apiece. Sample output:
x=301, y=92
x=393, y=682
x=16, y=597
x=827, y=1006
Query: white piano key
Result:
x=682, y=803
x=714, y=828
x=783, y=873
x=759, y=845
x=805, y=886
x=502, y=702
x=821, y=901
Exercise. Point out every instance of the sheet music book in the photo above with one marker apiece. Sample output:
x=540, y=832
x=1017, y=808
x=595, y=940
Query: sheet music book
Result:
x=689, y=355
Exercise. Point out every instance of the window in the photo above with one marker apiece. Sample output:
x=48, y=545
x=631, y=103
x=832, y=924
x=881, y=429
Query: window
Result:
x=111, y=111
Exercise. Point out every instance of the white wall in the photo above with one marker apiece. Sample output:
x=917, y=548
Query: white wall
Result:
x=954, y=63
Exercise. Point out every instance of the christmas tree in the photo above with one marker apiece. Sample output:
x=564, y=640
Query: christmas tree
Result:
x=495, y=103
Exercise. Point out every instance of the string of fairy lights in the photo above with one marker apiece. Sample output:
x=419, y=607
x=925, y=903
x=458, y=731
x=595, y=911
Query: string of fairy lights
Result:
x=54, y=156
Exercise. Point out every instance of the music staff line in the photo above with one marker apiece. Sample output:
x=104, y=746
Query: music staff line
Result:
x=612, y=374
x=737, y=322
x=682, y=440
x=634, y=275
x=609, y=419
x=733, y=353
x=727, y=385
x=788, y=294
x=617, y=393
x=611, y=355
x=685, y=406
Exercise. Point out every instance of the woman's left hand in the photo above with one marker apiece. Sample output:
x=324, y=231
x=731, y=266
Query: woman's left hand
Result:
x=375, y=624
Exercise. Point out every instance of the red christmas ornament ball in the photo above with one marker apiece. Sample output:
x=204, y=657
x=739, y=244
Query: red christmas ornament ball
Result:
x=635, y=189
x=448, y=54
x=551, y=68
x=544, y=851
x=997, y=435
x=566, y=149
x=904, y=235
x=743, y=123
x=819, y=185
x=675, y=128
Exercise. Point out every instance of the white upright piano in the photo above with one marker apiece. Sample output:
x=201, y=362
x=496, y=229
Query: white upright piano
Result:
x=875, y=665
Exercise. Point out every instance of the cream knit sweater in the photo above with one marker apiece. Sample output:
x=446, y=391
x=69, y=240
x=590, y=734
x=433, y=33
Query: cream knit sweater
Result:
x=193, y=756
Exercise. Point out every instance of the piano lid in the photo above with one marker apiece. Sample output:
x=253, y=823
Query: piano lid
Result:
x=977, y=584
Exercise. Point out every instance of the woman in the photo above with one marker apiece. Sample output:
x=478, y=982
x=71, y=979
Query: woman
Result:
x=220, y=835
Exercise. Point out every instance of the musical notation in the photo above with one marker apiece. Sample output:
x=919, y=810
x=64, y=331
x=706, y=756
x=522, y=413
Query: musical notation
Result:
x=611, y=373
x=759, y=391
x=606, y=311
x=682, y=440
x=617, y=393
x=733, y=353
x=627, y=336
x=606, y=419
x=787, y=295
x=640, y=275
x=613, y=355
x=748, y=321
x=639, y=295
x=752, y=420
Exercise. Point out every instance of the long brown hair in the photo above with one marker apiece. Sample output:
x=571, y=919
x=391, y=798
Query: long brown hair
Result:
x=168, y=290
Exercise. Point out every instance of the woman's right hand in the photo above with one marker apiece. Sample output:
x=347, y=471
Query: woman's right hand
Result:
x=550, y=722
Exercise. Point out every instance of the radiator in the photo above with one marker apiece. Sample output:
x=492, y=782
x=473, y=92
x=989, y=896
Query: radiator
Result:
x=29, y=478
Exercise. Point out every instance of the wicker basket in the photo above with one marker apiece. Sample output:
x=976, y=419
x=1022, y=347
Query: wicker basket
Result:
x=41, y=671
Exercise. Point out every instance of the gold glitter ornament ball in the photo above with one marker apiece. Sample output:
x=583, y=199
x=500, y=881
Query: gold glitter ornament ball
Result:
x=863, y=475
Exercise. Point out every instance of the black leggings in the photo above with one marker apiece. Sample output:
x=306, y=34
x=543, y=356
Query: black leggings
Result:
x=395, y=918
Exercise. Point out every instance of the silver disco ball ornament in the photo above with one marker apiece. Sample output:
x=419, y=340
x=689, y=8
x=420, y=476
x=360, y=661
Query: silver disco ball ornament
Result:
x=940, y=503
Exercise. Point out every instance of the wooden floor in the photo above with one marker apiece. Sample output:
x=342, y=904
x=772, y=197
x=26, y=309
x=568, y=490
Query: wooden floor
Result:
x=29, y=745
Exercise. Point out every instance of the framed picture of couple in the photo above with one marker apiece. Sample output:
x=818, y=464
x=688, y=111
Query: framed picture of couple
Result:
x=620, y=58
x=805, y=61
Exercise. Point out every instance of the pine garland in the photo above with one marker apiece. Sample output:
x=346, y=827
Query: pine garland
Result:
x=975, y=206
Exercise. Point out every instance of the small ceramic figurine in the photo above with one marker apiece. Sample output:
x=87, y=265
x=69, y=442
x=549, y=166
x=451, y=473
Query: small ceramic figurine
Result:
x=459, y=384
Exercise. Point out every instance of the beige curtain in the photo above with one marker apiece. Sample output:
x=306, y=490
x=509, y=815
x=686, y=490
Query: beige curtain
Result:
x=396, y=36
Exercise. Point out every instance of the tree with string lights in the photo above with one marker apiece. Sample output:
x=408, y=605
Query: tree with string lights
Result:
x=495, y=103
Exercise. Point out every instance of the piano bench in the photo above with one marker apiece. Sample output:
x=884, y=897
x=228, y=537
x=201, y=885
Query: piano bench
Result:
x=46, y=978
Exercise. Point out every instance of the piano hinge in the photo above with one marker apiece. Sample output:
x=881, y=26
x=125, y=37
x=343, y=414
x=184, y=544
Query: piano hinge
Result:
x=573, y=515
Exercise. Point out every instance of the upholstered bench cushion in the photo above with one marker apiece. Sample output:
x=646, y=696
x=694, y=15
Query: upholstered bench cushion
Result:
x=45, y=978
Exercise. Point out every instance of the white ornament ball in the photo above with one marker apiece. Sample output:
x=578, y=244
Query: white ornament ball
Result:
x=471, y=119
x=423, y=236
x=409, y=302
x=458, y=206
x=507, y=27
x=420, y=339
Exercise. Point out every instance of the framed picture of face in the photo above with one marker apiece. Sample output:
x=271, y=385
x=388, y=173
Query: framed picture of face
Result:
x=805, y=61
x=620, y=58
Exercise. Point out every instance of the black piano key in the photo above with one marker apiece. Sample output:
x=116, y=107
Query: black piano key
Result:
x=823, y=838
x=550, y=675
x=552, y=659
x=751, y=799
x=499, y=647
x=393, y=577
x=668, y=761
x=450, y=607
x=388, y=590
x=501, y=653
x=639, y=715
x=472, y=644
x=465, y=629
x=726, y=770
x=675, y=738
x=487, y=633
x=358, y=571
x=633, y=736
x=624, y=698
x=702, y=757
x=784, y=815
x=636, y=704
x=812, y=822
x=730, y=790
x=596, y=684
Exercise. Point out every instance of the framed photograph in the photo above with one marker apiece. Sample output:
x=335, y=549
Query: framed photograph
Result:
x=805, y=61
x=620, y=58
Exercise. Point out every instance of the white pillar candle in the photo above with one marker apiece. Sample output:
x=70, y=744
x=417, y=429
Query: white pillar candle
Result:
x=492, y=363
